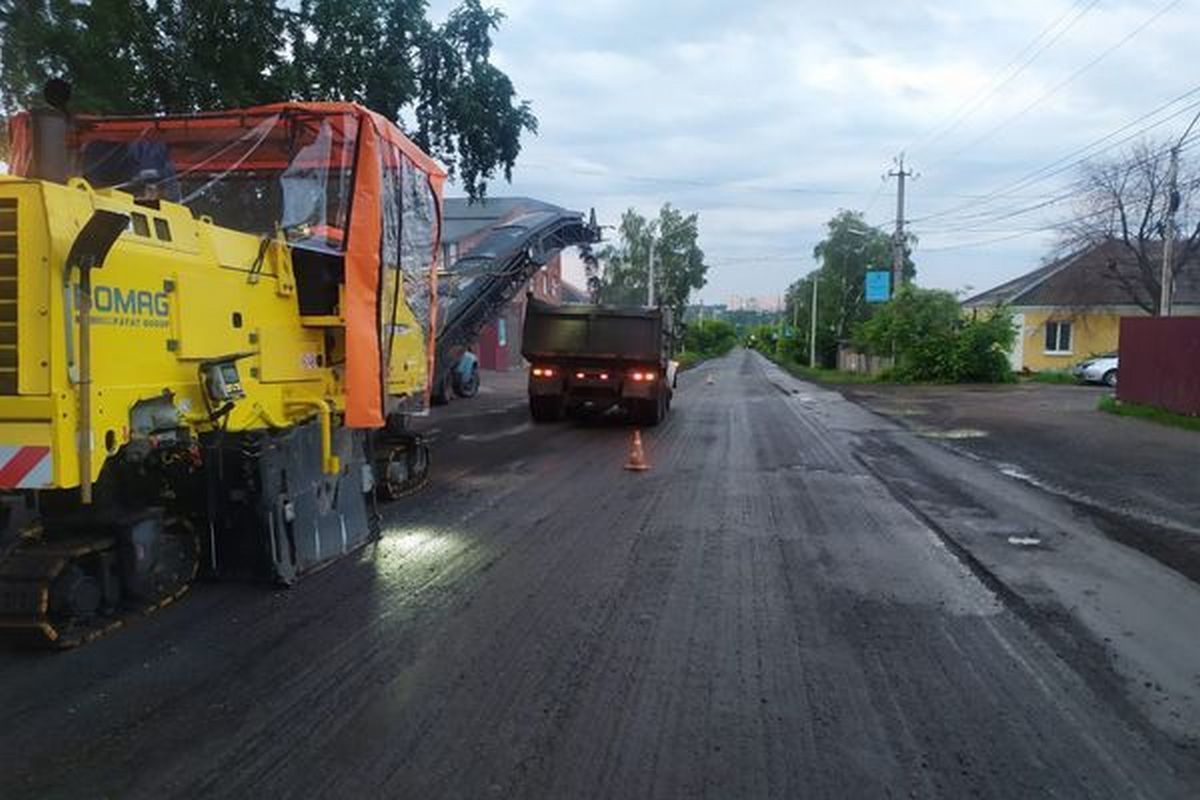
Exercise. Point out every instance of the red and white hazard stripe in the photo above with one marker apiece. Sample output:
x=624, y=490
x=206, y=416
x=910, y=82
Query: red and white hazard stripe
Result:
x=24, y=467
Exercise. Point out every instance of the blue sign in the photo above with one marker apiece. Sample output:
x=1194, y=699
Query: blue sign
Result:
x=879, y=286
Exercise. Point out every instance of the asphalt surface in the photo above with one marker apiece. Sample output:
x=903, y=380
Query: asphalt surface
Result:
x=770, y=611
x=1054, y=436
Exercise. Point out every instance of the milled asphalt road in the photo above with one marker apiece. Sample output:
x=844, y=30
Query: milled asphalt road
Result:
x=757, y=616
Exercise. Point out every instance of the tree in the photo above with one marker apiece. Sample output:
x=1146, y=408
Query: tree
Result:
x=1124, y=201
x=849, y=249
x=710, y=337
x=679, y=267
x=151, y=56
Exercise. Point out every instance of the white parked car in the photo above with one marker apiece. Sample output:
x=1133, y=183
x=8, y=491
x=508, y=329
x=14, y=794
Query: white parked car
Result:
x=1097, y=369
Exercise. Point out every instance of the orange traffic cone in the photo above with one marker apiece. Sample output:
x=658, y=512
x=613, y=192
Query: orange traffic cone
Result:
x=637, y=458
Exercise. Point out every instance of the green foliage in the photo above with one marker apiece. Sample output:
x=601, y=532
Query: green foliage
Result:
x=679, y=266
x=762, y=338
x=925, y=331
x=151, y=56
x=1161, y=416
x=711, y=337
x=1053, y=376
x=789, y=349
x=745, y=319
x=849, y=249
x=704, y=339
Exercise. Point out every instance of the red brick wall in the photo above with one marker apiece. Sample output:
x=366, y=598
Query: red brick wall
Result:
x=1160, y=363
x=546, y=285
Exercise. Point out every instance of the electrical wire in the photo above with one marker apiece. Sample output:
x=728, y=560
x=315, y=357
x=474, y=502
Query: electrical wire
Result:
x=981, y=97
x=728, y=185
x=1069, y=79
x=980, y=243
x=1077, y=157
x=1102, y=211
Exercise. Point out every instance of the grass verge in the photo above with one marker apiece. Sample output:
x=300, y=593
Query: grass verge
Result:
x=1052, y=376
x=821, y=375
x=1114, y=406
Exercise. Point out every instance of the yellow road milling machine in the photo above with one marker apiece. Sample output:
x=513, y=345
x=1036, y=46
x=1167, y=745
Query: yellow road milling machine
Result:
x=212, y=330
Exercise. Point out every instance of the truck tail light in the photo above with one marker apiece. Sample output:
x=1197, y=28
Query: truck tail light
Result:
x=543, y=372
x=603, y=376
x=642, y=376
x=580, y=375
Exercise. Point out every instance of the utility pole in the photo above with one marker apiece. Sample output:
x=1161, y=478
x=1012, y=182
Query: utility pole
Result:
x=1168, y=249
x=812, y=337
x=898, y=237
x=1169, y=230
x=650, y=280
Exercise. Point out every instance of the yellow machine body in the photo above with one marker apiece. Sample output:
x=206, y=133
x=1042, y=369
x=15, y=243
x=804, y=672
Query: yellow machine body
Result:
x=173, y=293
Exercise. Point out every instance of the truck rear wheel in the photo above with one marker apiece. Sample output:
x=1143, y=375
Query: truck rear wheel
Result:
x=546, y=409
x=650, y=412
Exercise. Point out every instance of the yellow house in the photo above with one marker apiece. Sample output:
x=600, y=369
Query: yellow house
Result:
x=1071, y=308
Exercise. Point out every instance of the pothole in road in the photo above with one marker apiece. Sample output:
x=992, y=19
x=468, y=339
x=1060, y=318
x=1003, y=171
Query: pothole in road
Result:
x=955, y=433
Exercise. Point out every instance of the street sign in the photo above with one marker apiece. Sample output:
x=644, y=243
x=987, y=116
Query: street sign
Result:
x=879, y=286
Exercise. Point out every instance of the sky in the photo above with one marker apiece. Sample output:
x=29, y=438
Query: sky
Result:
x=766, y=118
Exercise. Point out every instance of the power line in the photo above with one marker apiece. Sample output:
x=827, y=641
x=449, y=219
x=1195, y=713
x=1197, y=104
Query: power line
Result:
x=977, y=101
x=1069, y=79
x=730, y=185
x=980, y=243
x=1078, y=156
x=1073, y=189
x=1107, y=209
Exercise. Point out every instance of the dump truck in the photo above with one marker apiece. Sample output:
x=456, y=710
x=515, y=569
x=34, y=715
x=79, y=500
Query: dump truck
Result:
x=588, y=359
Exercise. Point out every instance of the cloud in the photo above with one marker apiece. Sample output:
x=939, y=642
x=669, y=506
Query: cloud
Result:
x=768, y=117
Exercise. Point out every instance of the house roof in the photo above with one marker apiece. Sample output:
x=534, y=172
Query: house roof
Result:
x=462, y=217
x=1104, y=275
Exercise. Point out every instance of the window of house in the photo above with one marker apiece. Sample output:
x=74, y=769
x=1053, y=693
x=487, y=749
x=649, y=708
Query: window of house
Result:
x=1058, y=337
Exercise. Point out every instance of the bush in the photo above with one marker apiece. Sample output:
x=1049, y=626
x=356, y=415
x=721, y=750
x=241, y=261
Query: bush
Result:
x=762, y=338
x=788, y=350
x=981, y=349
x=707, y=339
x=925, y=331
x=714, y=336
